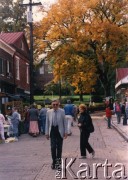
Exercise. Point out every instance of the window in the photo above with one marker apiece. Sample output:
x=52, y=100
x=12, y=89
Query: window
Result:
x=42, y=70
x=27, y=73
x=1, y=66
x=49, y=69
x=22, y=45
x=17, y=69
x=8, y=68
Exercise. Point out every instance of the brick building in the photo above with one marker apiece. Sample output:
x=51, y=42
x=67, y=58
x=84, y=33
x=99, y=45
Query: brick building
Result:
x=14, y=67
x=43, y=75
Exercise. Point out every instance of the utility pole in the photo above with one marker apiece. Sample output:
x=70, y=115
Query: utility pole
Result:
x=30, y=21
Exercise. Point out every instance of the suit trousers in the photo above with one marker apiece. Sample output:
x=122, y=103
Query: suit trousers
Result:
x=84, y=144
x=56, y=144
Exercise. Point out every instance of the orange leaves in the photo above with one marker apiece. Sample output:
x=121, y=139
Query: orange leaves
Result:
x=90, y=34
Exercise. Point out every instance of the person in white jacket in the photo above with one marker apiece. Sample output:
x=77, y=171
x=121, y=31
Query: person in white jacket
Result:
x=2, y=121
x=56, y=130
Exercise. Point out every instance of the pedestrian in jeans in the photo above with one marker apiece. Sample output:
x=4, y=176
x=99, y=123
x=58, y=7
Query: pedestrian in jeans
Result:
x=117, y=110
x=69, y=114
x=108, y=115
x=15, y=118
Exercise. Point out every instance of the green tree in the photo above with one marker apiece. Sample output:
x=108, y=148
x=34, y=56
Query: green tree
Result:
x=12, y=16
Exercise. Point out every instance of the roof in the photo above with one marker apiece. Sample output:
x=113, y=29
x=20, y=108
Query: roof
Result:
x=11, y=38
x=121, y=73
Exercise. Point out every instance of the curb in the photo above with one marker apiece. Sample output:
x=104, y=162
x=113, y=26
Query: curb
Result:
x=118, y=130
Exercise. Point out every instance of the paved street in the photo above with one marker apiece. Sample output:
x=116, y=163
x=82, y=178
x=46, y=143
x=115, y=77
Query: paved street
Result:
x=122, y=129
x=29, y=159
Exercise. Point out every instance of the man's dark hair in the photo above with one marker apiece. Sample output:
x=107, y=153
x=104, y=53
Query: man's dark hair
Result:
x=68, y=101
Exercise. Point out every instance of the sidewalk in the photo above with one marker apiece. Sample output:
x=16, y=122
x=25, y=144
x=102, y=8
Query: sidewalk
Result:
x=30, y=158
x=122, y=129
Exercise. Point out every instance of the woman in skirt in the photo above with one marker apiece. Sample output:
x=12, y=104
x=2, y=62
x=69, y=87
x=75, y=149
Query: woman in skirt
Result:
x=33, y=117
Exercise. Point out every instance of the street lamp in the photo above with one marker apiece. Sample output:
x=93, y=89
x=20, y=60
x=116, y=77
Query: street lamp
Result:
x=30, y=21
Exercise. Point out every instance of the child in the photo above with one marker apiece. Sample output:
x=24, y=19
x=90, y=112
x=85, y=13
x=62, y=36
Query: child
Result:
x=108, y=115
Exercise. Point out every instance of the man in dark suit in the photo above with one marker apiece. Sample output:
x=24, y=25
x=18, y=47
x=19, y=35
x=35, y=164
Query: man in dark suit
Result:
x=56, y=130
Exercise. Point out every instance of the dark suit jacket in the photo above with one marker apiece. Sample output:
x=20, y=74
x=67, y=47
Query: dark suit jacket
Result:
x=86, y=122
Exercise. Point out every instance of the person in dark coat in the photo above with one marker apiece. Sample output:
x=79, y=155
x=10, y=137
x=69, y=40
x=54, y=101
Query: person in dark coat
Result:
x=33, y=117
x=86, y=127
x=26, y=119
x=42, y=118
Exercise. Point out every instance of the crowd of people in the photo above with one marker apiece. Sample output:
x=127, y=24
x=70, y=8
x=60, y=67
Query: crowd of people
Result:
x=119, y=109
x=33, y=120
x=56, y=122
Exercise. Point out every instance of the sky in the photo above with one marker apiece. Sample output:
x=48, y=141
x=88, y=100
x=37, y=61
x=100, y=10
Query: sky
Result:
x=36, y=15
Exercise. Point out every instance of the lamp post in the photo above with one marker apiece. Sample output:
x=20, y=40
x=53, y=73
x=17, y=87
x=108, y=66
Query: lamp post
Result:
x=30, y=21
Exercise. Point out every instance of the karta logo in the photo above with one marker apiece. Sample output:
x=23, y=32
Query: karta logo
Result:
x=84, y=170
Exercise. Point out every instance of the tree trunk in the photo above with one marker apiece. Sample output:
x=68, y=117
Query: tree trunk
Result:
x=81, y=97
x=107, y=88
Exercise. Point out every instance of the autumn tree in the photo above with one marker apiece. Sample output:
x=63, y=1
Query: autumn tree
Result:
x=87, y=39
x=12, y=16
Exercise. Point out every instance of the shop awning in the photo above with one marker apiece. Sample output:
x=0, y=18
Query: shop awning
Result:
x=122, y=81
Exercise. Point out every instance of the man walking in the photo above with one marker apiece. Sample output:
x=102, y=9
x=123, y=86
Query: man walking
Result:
x=69, y=112
x=56, y=130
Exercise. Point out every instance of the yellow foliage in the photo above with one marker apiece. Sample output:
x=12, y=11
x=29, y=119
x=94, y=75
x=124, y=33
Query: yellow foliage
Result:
x=89, y=35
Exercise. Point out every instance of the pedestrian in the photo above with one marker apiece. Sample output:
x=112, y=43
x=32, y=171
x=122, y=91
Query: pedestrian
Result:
x=56, y=130
x=117, y=110
x=33, y=117
x=126, y=114
x=15, y=118
x=69, y=109
x=86, y=127
x=2, y=121
x=108, y=115
x=26, y=119
x=42, y=118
